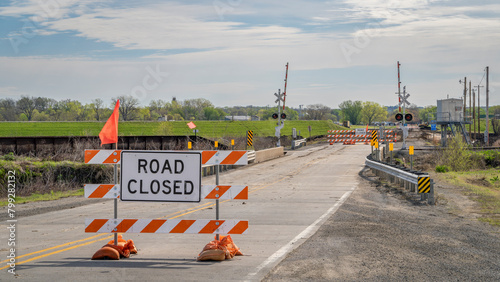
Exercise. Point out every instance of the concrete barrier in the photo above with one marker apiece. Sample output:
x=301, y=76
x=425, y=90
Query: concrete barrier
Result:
x=269, y=154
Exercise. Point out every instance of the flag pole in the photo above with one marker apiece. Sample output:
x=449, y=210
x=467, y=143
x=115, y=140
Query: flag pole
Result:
x=116, y=199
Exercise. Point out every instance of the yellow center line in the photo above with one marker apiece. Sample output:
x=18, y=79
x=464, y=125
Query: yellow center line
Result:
x=186, y=211
x=170, y=216
x=55, y=247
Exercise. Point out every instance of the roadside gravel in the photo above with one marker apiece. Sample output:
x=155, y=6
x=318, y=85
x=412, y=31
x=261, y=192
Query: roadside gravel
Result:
x=378, y=234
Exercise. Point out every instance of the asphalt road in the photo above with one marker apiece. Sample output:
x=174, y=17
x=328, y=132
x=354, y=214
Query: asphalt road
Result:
x=289, y=199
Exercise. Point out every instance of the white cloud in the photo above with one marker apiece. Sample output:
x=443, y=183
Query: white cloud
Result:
x=237, y=59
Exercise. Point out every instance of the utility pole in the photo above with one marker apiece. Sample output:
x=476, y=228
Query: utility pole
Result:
x=487, y=106
x=470, y=112
x=465, y=95
x=474, y=110
x=478, y=109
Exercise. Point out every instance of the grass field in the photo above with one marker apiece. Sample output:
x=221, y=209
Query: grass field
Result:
x=208, y=129
x=483, y=186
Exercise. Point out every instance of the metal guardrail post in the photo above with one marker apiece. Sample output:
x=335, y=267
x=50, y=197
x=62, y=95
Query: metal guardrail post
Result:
x=431, y=200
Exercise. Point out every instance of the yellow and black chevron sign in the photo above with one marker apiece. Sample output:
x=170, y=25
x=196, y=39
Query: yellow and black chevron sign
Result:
x=424, y=184
x=250, y=138
x=374, y=137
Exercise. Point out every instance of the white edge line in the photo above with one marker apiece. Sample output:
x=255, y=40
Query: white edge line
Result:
x=304, y=234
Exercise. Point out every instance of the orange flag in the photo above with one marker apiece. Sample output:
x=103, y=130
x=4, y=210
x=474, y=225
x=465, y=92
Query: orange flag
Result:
x=191, y=125
x=109, y=133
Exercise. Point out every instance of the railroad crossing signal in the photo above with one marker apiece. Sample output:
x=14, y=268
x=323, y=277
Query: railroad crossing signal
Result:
x=408, y=117
x=403, y=97
x=250, y=138
x=279, y=97
x=399, y=117
x=424, y=184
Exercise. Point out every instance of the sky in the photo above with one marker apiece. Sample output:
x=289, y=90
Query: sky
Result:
x=234, y=52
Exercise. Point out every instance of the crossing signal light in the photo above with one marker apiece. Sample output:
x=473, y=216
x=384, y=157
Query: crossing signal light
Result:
x=399, y=117
x=283, y=116
x=275, y=115
x=408, y=117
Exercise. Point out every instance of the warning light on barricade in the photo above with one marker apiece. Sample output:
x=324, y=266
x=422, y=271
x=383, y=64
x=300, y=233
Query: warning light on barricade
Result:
x=275, y=115
x=408, y=117
x=283, y=116
x=399, y=117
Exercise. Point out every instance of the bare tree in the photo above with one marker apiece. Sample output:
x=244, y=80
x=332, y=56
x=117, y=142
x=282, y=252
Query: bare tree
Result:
x=26, y=105
x=318, y=112
x=128, y=107
x=97, y=106
x=8, y=109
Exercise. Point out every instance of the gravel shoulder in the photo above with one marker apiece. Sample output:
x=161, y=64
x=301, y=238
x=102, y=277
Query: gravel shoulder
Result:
x=378, y=234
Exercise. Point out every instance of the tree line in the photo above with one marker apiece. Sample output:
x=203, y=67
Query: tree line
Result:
x=46, y=109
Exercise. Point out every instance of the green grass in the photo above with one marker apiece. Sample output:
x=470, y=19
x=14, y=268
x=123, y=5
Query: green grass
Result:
x=43, y=197
x=208, y=129
x=484, y=188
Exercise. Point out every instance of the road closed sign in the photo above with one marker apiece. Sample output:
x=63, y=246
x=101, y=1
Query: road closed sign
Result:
x=160, y=176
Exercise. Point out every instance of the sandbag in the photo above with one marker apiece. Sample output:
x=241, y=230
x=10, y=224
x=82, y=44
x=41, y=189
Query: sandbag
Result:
x=217, y=255
x=224, y=246
x=111, y=251
x=227, y=242
x=107, y=253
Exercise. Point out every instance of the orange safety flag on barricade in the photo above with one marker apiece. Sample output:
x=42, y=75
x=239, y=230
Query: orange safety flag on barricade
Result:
x=191, y=125
x=109, y=133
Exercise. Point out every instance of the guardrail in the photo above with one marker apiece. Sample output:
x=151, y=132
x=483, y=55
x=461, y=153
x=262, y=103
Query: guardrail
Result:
x=414, y=181
x=298, y=143
x=251, y=156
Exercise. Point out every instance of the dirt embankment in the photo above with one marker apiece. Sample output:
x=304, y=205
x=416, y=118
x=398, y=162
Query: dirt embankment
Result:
x=378, y=235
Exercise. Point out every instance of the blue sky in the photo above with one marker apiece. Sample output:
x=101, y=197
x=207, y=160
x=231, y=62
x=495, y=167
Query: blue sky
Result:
x=234, y=52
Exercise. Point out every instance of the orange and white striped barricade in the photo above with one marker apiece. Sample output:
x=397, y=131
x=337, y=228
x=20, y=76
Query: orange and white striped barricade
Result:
x=208, y=157
x=224, y=157
x=198, y=226
x=102, y=156
x=100, y=191
x=222, y=192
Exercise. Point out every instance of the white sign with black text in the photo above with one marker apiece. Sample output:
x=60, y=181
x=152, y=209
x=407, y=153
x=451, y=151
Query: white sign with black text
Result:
x=160, y=176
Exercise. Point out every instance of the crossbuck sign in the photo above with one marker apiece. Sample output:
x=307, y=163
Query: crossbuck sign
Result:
x=160, y=176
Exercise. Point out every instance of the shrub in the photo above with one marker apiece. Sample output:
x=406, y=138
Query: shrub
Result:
x=442, y=168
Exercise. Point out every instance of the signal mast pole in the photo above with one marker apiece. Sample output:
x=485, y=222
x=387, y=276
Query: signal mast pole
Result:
x=399, y=88
x=284, y=90
x=403, y=101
